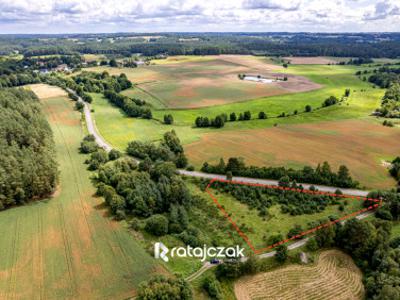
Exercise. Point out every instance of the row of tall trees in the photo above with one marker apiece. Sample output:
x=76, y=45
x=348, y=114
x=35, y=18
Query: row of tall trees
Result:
x=322, y=174
x=220, y=120
x=28, y=169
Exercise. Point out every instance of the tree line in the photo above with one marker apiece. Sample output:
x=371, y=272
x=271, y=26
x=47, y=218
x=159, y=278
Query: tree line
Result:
x=384, y=76
x=322, y=174
x=220, y=120
x=28, y=169
x=272, y=44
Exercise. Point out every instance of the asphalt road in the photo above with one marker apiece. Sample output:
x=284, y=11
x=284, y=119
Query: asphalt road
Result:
x=322, y=188
x=91, y=127
x=90, y=124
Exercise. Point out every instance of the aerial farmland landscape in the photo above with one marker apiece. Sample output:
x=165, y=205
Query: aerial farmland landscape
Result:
x=245, y=149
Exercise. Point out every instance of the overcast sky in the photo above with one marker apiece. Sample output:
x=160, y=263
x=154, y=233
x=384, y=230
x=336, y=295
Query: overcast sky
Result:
x=70, y=16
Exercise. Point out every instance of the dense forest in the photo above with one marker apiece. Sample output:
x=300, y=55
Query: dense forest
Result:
x=322, y=174
x=277, y=44
x=27, y=166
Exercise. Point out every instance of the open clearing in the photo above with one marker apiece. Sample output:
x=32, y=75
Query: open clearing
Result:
x=335, y=276
x=44, y=91
x=67, y=247
x=208, y=81
x=360, y=145
x=258, y=229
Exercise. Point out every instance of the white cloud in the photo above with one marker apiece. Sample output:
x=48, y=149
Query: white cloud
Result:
x=27, y=16
x=383, y=10
x=287, y=5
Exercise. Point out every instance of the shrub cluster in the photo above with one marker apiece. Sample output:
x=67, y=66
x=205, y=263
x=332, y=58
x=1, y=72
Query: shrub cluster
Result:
x=332, y=100
x=168, y=119
x=161, y=287
x=170, y=149
x=132, y=107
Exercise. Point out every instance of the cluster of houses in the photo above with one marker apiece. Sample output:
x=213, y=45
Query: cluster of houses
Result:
x=60, y=68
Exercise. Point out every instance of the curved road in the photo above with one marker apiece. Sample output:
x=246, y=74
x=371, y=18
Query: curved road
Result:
x=90, y=124
x=91, y=127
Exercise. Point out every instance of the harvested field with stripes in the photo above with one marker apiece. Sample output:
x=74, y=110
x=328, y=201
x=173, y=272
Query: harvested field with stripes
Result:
x=333, y=277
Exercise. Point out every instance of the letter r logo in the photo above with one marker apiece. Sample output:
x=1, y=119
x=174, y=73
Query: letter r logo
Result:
x=160, y=251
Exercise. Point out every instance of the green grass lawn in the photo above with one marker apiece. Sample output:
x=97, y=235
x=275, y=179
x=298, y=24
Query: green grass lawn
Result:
x=66, y=247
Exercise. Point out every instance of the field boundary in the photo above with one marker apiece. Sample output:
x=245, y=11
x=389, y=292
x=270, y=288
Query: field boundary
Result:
x=377, y=203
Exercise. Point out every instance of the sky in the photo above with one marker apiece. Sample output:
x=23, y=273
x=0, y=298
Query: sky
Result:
x=98, y=16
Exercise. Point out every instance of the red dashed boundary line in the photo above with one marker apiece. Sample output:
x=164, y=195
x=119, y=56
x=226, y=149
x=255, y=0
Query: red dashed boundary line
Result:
x=378, y=202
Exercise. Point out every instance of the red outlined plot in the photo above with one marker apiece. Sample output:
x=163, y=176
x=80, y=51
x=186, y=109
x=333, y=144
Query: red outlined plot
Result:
x=376, y=203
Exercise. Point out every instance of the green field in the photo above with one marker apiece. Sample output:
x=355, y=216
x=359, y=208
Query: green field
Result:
x=335, y=79
x=207, y=81
x=67, y=247
x=251, y=139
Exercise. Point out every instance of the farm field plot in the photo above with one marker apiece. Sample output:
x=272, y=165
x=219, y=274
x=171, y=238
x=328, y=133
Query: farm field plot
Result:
x=359, y=144
x=202, y=82
x=66, y=247
x=258, y=229
x=335, y=276
x=316, y=60
x=372, y=144
x=44, y=91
